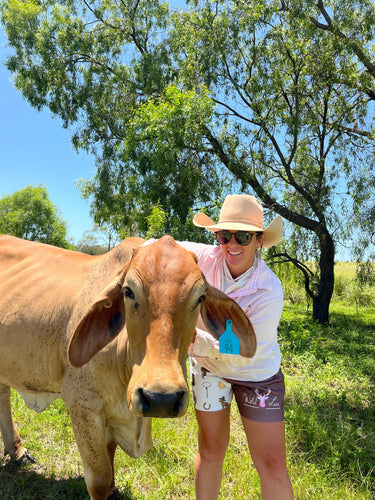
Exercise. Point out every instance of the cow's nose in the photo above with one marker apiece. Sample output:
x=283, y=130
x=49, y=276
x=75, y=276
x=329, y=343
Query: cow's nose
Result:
x=161, y=404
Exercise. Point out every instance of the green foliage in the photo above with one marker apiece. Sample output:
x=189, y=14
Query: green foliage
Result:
x=89, y=244
x=30, y=214
x=350, y=288
x=98, y=241
x=159, y=224
x=342, y=284
x=292, y=282
x=361, y=295
x=291, y=278
x=365, y=273
x=151, y=165
x=354, y=285
x=156, y=222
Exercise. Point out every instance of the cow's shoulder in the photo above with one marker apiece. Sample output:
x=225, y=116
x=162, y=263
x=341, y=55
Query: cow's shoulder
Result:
x=126, y=247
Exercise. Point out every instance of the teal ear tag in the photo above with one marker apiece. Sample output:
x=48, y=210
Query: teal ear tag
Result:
x=229, y=343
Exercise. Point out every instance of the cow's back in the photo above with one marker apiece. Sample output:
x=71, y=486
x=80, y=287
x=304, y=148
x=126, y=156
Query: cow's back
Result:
x=38, y=282
x=41, y=288
x=38, y=286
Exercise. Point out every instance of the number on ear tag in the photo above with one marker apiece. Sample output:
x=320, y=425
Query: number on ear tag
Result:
x=229, y=343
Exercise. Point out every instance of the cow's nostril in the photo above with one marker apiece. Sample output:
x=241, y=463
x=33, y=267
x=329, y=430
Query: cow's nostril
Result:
x=160, y=404
x=179, y=402
x=144, y=401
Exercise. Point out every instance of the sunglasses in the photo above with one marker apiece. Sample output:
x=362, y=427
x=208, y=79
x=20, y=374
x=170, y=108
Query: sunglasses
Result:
x=242, y=237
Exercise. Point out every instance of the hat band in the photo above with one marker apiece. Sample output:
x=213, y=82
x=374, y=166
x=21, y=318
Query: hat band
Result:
x=242, y=221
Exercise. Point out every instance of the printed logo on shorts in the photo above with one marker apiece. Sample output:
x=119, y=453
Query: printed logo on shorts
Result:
x=262, y=399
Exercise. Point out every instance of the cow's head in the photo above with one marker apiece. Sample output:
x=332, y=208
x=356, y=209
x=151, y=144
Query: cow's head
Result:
x=160, y=292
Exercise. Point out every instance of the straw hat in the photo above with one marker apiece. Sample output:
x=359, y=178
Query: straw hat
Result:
x=242, y=212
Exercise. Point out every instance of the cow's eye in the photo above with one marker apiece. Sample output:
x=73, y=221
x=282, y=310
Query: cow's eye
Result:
x=128, y=292
x=202, y=297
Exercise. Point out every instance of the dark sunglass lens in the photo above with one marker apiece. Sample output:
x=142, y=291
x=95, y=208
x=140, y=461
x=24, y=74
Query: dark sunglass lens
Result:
x=243, y=237
x=223, y=237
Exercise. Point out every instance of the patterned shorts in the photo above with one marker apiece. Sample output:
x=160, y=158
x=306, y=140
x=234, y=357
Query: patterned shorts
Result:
x=257, y=401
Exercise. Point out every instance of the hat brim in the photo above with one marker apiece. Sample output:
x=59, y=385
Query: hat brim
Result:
x=271, y=235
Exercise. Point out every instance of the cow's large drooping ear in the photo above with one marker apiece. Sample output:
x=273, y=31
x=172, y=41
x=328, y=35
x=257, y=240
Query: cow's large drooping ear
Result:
x=101, y=324
x=217, y=308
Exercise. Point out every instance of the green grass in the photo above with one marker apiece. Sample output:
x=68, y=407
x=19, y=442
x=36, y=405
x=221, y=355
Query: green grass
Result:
x=345, y=270
x=330, y=404
x=330, y=428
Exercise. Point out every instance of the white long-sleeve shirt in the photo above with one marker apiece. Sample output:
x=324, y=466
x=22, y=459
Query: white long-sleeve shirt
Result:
x=261, y=298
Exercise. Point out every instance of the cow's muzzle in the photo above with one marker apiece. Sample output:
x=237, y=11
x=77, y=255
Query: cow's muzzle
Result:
x=159, y=404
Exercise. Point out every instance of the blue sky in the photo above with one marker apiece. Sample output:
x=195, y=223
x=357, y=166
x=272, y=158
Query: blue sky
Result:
x=35, y=149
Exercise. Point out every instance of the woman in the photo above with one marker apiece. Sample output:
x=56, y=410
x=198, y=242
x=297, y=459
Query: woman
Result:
x=236, y=267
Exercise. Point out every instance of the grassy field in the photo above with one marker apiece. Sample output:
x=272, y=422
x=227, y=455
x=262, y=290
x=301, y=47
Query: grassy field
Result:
x=345, y=269
x=330, y=426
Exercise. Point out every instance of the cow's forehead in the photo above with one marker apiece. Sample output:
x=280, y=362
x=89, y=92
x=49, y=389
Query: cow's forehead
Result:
x=164, y=260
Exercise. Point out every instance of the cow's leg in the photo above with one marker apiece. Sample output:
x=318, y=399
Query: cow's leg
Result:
x=96, y=450
x=111, y=449
x=12, y=441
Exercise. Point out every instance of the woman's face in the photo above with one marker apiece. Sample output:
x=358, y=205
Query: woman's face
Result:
x=240, y=258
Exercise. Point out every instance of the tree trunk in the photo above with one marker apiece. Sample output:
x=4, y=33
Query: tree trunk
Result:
x=321, y=303
x=322, y=298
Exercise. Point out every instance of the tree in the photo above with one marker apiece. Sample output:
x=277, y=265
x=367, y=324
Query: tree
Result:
x=352, y=27
x=181, y=107
x=30, y=214
x=98, y=241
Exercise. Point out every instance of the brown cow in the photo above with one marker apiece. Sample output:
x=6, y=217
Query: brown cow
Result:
x=63, y=334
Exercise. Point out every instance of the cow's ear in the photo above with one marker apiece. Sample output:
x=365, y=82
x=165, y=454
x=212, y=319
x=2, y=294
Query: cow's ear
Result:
x=101, y=323
x=217, y=308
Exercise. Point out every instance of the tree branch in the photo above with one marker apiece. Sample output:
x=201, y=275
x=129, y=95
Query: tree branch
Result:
x=307, y=273
x=335, y=30
x=244, y=175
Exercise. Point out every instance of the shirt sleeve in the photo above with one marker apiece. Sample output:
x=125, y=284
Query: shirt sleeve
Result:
x=209, y=257
x=200, y=249
x=264, y=314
